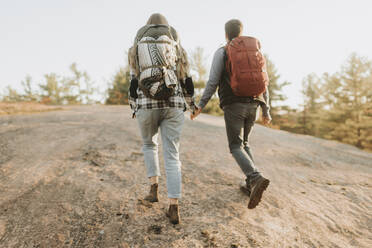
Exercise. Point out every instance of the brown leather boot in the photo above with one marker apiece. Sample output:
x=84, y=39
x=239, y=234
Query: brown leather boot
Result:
x=259, y=186
x=153, y=195
x=173, y=214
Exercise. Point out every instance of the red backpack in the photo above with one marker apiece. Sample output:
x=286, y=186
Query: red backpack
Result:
x=246, y=66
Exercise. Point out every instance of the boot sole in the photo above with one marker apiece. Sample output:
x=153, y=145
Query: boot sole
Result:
x=257, y=192
x=174, y=222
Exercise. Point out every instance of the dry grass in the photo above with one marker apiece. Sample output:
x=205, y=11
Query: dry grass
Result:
x=24, y=107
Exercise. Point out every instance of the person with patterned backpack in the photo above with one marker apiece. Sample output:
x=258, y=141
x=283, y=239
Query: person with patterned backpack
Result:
x=160, y=91
x=239, y=72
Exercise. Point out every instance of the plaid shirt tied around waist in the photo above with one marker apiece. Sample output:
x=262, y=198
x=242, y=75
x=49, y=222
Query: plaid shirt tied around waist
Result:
x=180, y=100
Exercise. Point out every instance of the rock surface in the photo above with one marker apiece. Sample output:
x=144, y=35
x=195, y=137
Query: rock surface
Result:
x=76, y=178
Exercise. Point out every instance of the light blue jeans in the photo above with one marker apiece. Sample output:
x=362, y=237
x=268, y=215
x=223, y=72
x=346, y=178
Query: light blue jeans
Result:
x=170, y=122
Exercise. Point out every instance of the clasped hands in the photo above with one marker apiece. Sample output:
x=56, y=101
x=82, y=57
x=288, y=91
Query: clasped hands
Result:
x=195, y=113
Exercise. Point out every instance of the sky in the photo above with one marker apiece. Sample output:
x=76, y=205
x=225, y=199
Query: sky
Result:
x=301, y=37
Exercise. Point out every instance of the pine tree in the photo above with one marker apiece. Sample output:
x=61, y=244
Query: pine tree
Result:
x=11, y=95
x=118, y=92
x=81, y=88
x=275, y=89
x=311, y=105
x=29, y=93
x=53, y=89
x=348, y=94
x=197, y=62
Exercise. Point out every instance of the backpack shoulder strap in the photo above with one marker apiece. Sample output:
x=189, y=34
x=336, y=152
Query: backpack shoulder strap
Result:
x=133, y=55
x=226, y=59
x=170, y=33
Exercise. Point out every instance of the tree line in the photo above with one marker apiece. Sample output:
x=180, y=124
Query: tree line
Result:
x=339, y=106
x=335, y=106
x=76, y=88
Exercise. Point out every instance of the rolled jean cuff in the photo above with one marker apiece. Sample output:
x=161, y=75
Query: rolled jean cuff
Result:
x=175, y=196
x=252, y=177
x=153, y=174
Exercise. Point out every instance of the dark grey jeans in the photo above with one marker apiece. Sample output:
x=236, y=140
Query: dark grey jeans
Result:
x=239, y=121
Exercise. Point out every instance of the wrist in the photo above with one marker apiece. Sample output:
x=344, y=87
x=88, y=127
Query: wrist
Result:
x=265, y=113
x=200, y=105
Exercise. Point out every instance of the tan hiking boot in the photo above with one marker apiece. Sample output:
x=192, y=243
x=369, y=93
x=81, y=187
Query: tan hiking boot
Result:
x=258, y=188
x=153, y=195
x=173, y=214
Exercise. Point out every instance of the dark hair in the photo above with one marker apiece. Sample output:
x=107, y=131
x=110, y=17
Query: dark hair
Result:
x=157, y=19
x=233, y=28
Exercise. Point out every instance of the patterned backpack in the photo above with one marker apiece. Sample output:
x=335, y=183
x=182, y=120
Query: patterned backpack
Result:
x=157, y=64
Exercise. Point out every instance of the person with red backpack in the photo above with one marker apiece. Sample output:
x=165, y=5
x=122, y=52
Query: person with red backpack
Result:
x=239, y=72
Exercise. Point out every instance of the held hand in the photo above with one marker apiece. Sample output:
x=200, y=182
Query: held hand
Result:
x=266, y=120
x=196, y=113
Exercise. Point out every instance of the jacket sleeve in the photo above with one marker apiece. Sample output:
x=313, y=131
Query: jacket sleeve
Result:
x=265, y=105
x=133, y=84
x=214, y=77
x=132, y=94
x=187, y=86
